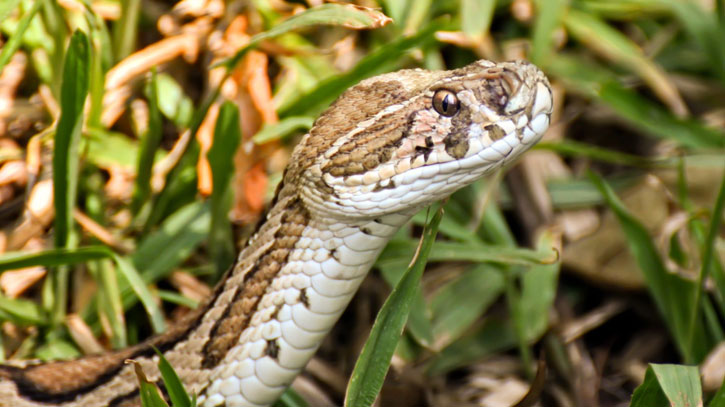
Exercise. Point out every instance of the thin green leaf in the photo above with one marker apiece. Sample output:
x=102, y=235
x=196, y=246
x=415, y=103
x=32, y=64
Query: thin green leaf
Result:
x=459, y=303
x=176, y=298
x=476, y=16
x=178, y=395
x=657, y=121
x=345, y=15
x=148, y=391
x=173, y=102
x=6, y=8
x=57, y=348
x=417, y=14
x=290, y=398
x=111, y=304
x=13, y=43
x=610, y=43
x=548, y=19
x=125, y=29
x=704, y=28
x=179, y=235
x=492, y=337
x=126, y=269
x=73, y=94
x=284, y=127
x=147, y=149
x=672, y=294
x=649, y=393
x=571, y=148
x=708, y=257
x=53, y=257
x=595, y=81
x=227, y=136
x=107, y=149
x=20, y=311
x=538, y=289
x=372, y=365
x=470, y=251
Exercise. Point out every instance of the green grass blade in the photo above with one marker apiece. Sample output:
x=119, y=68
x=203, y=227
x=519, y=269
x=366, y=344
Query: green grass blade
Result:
x=284, y=127
x=74, y=90
x=597, y=82
x=470, y=251
x=476, y=16
x=6, y=7
x=547, y=20
x=672, y=294
x=13, y=43
x=459, y=303
x=327, y=14
x=708, y=257
x=174, y=297
x=148, y=391
x=613, y=45
x=681, y=384
x=492, y=337
x=538, y=289
x=173, y=102
x=290, y=398
x=372, y=365
x=111, y=304
x=571, y=148
x=21, y=312
x=227, y=136
x=657, y=121
x=179, y=235
x=53, y=257
x=703, y=27
x=147, y=149
x=137, y=284
x=178, y=395
x=649, y=393
x=125, y=29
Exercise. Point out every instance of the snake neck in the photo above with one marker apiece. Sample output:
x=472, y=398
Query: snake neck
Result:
x=290, y=285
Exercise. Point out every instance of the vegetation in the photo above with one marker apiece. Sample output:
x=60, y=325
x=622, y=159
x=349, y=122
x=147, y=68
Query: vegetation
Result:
x=139, y=142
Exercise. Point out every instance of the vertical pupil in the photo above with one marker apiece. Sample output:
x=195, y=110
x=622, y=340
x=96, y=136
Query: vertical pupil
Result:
x=445, y=102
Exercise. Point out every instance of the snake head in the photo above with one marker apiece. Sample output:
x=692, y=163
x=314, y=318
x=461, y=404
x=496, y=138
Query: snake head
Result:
x=399, y=141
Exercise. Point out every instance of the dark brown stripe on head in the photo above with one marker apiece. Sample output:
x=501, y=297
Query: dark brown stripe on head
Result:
x=354, y=106
x=236, y=316
x=456, y=142
x=374, y=145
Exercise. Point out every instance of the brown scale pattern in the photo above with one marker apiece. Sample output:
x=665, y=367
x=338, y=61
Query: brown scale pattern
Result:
x=355, y=105
x=374, y=145
x=235, y=318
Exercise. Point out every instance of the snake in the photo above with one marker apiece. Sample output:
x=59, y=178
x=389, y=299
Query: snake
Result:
x=383, y=150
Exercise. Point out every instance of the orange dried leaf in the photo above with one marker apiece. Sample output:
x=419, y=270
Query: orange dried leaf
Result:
x=255, y=186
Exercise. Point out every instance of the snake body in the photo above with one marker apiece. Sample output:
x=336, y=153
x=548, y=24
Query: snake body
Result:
x=386, y=148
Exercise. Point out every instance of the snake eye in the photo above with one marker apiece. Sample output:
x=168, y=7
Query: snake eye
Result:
x=446, y=103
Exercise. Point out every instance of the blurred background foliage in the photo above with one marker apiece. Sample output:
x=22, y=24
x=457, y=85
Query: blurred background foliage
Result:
x=140, y=142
